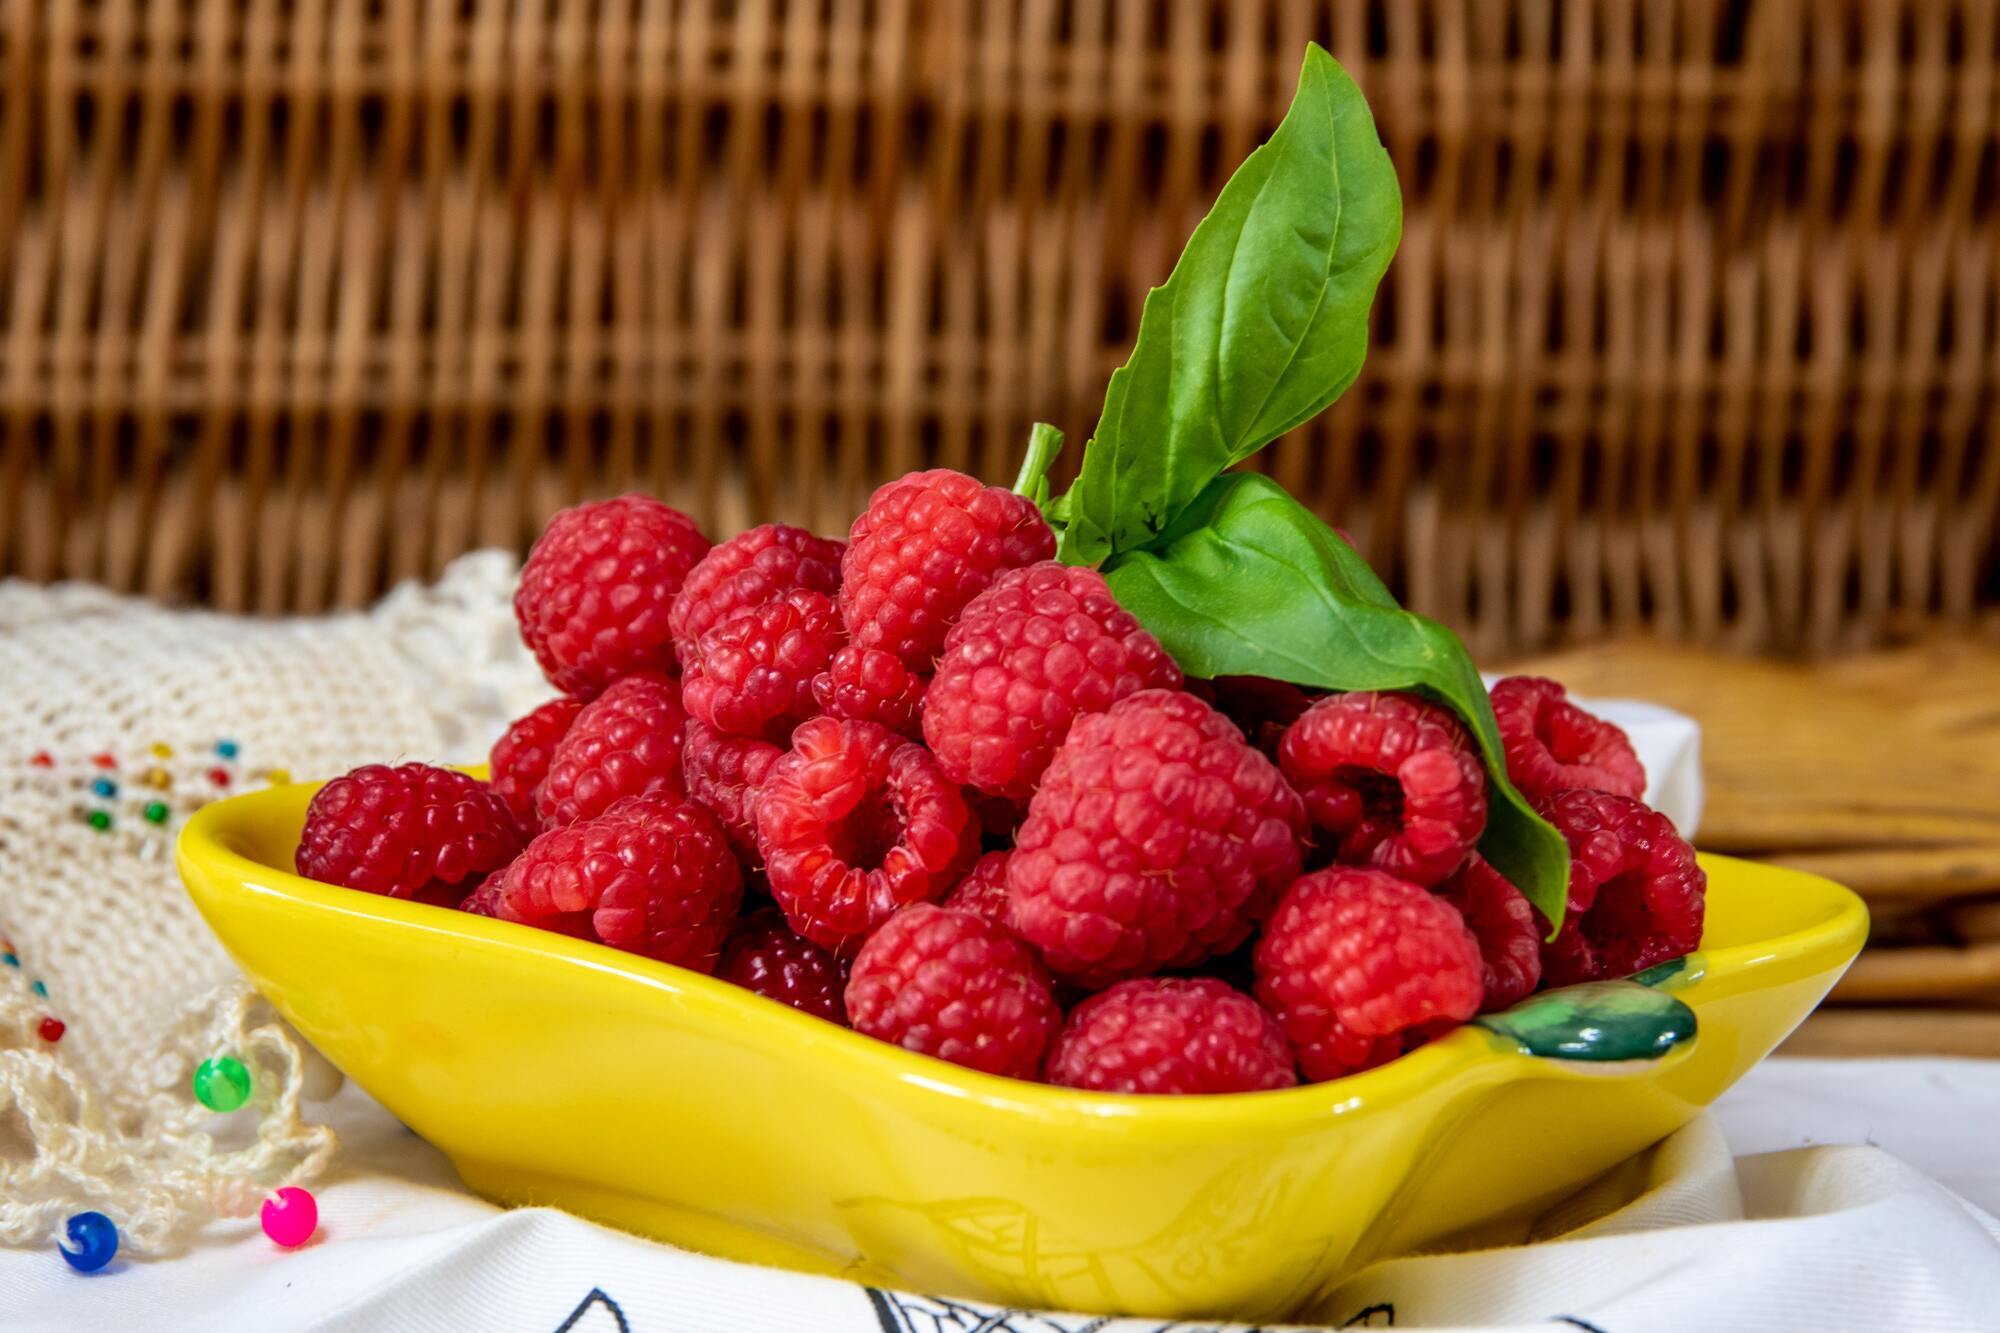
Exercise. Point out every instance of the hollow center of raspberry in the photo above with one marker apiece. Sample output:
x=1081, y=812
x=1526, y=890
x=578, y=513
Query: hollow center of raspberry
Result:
x=1620, y=911
x=865, y=836
x=1381, y=795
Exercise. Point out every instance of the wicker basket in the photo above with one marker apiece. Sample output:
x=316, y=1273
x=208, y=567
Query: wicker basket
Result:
x=1694, y=326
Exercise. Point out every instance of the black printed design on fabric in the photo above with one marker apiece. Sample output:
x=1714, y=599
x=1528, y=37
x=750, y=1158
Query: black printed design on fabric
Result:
x=1373, y=1316
x=900, y=1312
x=595, y=1313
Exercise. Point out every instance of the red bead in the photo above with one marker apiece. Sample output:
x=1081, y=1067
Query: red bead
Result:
x=219, y=776
x=103, y=761
x=51, y=1029
x=43, y=759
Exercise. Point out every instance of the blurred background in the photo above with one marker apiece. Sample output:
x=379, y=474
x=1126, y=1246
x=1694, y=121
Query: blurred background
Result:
x=1684, y=382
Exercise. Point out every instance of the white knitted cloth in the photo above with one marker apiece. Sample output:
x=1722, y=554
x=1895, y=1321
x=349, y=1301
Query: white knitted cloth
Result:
x=109, y=705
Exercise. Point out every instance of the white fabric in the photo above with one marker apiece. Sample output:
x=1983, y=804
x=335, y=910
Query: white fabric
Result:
x=1819, y=1237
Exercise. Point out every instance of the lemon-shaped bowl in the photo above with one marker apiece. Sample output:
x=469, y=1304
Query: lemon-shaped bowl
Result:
x=553, y=1071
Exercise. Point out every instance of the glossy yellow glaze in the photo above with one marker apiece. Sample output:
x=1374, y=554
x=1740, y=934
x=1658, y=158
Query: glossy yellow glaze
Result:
x=553, y=1071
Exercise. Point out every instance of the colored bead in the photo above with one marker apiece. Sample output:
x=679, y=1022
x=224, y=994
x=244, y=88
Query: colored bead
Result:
x=42, y=759
x=103, y=761
x=10, y=959
x=278, y=777
x=40, y=988
x=227, y=749
x=219, y=776
x=51, y=1029
x=93, y=1240
x=156, y=811
x=98, y=819
x=104, y=787
x=222, y=1083
x=158, y=777
x=161, y=750
x=291, y=1216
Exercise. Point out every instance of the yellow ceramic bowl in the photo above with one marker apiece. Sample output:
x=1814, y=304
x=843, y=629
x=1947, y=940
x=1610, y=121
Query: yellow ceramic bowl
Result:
x=553, y=1071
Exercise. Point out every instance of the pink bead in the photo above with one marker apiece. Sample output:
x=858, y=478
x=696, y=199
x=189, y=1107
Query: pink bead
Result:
x=291, y=1216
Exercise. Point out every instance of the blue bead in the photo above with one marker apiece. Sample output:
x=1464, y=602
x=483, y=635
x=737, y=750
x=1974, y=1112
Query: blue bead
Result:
x=40, y=988
x=104, y=787
x=10, y=960
x=93, y=1240
x=227, y=749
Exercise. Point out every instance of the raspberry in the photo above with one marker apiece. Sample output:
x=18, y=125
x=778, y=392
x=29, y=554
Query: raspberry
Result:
x=1392, y=778
x=1352, y=954
x=1260, y=706
x=983, y=891
x=1171, y=1035
x=1636, y=894
x=625, y=742
x=1552, y=745
x=927, y=544
x=1039, y=648
x=485, y=900
x=1158, y=838
x=869, y=685
x=520, y=758
x=766, y=957
x=1505, y=925
x=723, y=773
x=748, y=570
x=752, y=674
x=410, y=831
x=950, y=984
x=596, y=591
x=853, y=822
x=652, y=876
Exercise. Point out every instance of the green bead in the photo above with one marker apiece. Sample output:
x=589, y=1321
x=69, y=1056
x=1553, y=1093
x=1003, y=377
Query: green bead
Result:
x=156, y=811
x=98, y=819
x=222, y=1084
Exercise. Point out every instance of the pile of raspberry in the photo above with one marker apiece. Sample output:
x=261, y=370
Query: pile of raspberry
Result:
x=932, y=784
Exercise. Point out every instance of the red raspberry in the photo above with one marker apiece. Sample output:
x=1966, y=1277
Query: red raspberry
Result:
x=1552, y=745
x=869, y=685
x=1039, y=648
x=1352, y=954
x=652, y=876
x=983, y=891
x=723, y=773
x=950, y=984
x=413, y=831
x=853, y=822
x=1392, y=778
x=596, y=591
x=766, y=957
x=927, y=544
x=1158, y=838
x=748, y=570
x=520, y=758
x=1636, y=894
x=625, y=742
x=1170, y=1035
x=1507, y=928
x=752, y=674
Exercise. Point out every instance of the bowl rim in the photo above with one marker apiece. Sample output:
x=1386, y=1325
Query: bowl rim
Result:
x=213, y=868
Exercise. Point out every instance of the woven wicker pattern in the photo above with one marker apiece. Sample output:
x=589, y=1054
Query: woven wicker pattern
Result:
x=1694, y=325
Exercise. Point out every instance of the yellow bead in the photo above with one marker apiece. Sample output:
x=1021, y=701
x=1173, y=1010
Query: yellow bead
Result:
x=157, y=777
x=278, y=777
x=162, y=750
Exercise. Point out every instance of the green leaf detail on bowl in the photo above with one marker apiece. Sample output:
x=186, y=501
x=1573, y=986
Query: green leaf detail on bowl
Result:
x=1674, y=973
x=1596, y=1021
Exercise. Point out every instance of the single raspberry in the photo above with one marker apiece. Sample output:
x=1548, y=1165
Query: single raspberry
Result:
x=1039, y=648
x=983, y=891
x=748, y=570
x=950, y=984
x=927, y=544
x=485, y=900
x=520, y=758
x=1552, y=745
x=1506, y=926
x=1171, y=1035
x=1392, y=778
x=869, y=685
x=1158, y=838
x=625, y=742
x=853, y=822
x=766, y=957
x=1261, y=706
x=652, y=876
x=723, y=773
x=1352, y=954
x=597, y=589
x=413, y=831
x=752, y=674
x=1637, y=896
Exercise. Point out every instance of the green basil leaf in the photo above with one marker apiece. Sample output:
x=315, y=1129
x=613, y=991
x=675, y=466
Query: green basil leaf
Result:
x=1263, y=322
x=1250, y=582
